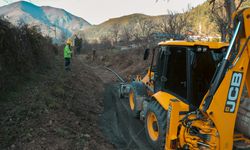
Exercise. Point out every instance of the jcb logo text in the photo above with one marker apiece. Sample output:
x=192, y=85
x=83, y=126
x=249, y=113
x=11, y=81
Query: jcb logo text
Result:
x=233, y=92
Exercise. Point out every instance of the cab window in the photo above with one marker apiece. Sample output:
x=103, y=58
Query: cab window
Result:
x=176, y=74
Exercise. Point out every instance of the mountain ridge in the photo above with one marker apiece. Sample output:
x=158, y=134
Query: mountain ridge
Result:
x=53, y=22
x=95, y=32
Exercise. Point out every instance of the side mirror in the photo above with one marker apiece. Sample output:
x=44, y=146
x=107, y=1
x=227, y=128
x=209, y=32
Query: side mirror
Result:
x=146, y=54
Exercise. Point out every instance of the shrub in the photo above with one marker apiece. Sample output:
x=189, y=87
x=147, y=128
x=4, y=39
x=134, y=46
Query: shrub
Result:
x=22, y=50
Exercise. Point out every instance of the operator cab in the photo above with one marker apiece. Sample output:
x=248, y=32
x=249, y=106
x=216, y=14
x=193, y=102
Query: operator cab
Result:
x=185, y=69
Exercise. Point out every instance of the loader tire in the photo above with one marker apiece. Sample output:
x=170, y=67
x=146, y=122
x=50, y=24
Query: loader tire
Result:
x=155, y=125
x=243, y=116
x=136, y=92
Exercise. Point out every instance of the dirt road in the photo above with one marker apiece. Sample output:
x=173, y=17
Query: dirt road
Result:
x=117, y=123
x=79, y=109
x=120, y=126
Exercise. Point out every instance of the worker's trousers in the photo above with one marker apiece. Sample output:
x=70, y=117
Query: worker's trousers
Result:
x=67, y=63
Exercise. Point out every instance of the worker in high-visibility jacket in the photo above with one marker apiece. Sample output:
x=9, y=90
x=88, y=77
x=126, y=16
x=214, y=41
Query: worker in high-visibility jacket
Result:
x=67, y=54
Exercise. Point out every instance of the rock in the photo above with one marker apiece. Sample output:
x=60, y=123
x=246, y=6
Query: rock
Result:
x=77, y=123
x=13, y=146
x=29, y=135
x=86, y=135
x=50, y=122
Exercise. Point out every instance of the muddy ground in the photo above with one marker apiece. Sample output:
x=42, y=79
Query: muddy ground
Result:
x=78, y=109
x=117, y=122
x=119, y=125
x=75, y=110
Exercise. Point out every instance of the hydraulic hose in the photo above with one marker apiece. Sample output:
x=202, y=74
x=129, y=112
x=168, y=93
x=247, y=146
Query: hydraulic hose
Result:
x=117, y=75
x=221, y=71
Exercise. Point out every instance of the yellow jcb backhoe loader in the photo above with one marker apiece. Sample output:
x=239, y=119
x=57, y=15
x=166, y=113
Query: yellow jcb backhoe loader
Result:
x=190, y=97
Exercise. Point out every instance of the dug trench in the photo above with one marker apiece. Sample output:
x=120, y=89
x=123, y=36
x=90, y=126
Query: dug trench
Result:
x=118, y=125
x=121, y=128
x=116, y=121
x=77, y=109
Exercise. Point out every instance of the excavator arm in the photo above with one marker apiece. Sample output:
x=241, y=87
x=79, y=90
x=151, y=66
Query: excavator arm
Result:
x=220, y=106
x=243, y=43
x=238, y=45
x=246, y=17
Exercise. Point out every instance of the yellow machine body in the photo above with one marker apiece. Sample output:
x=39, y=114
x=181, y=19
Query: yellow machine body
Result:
x=210, y=45
x=212, y=124
x=162, y=97
x=220, y=117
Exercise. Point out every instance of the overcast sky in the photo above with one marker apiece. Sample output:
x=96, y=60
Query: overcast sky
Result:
x=97, y=11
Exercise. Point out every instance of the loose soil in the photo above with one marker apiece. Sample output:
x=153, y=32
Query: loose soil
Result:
x=55, y=110
x=77, y=109
x=117, y=122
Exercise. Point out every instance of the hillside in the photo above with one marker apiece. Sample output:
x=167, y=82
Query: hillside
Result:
x=41, y=105
x=97, y=31
x=199, y=18
x=51, y=21
x=45, y=107
x=202, y=23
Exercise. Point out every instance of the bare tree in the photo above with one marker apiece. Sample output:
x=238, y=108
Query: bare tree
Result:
x=222, y=12
x=146, y=27
x=105, y=42
x=229, y=6
x=163, y=24
x=127, y=33
x=219, y=16
x=175, y=23
x=143, y=30
x=223, y=19
x=115, y=31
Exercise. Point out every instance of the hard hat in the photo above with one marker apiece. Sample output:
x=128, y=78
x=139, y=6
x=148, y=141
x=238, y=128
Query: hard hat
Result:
x=69, y=42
